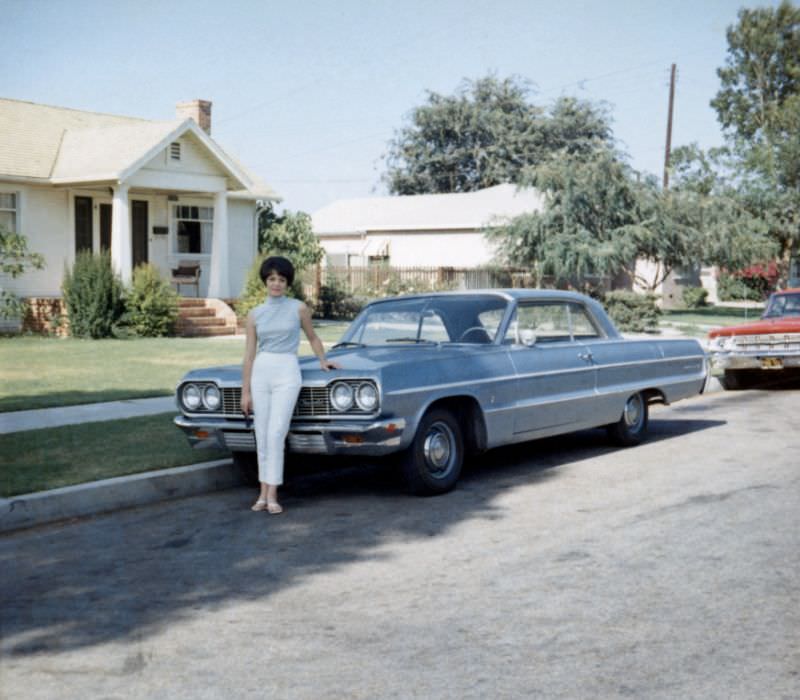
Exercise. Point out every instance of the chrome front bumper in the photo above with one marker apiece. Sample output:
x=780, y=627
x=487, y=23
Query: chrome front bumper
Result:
x=752, y=360
x=332, y=438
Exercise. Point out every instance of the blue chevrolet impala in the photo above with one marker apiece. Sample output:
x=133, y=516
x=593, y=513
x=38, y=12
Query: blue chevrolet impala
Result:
x=433, y=377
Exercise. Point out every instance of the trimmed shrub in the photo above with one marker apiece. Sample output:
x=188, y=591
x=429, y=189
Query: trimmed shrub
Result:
x=335, y=302
x=632, y=312
x=93, y=295
x=695, y=297
x=152, y=304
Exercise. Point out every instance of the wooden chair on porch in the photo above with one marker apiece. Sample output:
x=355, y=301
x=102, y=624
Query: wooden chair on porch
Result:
x=187, y=273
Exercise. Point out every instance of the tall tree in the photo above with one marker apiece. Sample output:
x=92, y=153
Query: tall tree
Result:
x=733, y=229
x=598, y=219
x=758, y=105
x=485, y=134
x=291, y=236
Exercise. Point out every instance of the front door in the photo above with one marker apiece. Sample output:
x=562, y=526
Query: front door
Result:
x=105, y=226
x=84, y=219
x=139, y=226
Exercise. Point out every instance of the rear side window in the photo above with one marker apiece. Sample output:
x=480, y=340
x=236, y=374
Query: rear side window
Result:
x=582, y=326
x=550, y=322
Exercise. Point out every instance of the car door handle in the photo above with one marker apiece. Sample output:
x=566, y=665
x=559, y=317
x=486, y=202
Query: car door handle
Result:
x=586, y=356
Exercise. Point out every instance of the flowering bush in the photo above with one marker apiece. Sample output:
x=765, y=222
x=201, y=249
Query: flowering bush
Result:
x=756, y=282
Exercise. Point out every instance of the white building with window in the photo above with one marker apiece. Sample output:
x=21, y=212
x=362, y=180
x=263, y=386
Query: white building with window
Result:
x=162, y=192
x=425, y=230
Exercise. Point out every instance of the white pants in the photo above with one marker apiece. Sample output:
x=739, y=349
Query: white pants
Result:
x=274, y=387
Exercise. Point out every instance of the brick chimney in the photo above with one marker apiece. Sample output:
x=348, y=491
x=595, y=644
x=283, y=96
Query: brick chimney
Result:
x=199, y=110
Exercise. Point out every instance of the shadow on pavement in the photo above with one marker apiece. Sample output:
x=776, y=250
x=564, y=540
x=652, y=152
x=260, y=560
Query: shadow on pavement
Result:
x=133, y=572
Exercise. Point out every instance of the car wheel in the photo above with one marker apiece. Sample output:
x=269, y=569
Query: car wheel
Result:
x=246, y=463
x=734, y=379
x=631, y=428
x=432, y=463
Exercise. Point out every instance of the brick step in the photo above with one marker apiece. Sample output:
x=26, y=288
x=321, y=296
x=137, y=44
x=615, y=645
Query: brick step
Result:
x=196, y=312
x=203, y=331
x=203, y=322
x=185, y=302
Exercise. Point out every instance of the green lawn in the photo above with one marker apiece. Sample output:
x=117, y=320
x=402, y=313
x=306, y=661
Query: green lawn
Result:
x=38, y=372
x=697, y=322
x=37, y=460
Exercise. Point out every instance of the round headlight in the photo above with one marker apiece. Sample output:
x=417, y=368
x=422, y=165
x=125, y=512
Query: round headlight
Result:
x=341, y=396
x=191, y=397
x=367, y=397
x=211, y=397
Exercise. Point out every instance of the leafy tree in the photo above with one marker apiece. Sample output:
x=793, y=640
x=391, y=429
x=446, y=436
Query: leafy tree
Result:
x=758, y=106
x=291, y=236
x=15, y=258
x=486, y=134
x=599, y=219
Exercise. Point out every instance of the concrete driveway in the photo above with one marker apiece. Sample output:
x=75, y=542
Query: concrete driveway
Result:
x=564, y=568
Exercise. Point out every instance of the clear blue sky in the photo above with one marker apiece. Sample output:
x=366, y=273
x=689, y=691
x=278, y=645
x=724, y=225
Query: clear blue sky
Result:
x=308, y=94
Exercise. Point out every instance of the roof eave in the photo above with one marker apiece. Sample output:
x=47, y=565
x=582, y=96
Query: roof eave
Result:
x=189, y=125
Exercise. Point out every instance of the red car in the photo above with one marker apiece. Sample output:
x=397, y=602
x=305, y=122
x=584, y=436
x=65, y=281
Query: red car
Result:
x=748, y=351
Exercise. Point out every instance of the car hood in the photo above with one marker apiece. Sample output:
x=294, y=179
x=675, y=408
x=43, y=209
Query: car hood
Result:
x=353, y=361
x=787, y=324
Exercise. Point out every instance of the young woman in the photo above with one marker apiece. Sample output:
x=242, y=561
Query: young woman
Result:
x=271, y=375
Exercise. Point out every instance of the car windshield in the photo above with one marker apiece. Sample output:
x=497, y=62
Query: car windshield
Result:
x=425, y=320
x=783, y=305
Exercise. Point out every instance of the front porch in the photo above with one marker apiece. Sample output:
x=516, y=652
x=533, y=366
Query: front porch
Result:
x=197, y=317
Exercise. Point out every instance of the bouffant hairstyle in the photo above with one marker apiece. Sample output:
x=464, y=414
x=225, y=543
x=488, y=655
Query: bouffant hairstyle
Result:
x=279, y=265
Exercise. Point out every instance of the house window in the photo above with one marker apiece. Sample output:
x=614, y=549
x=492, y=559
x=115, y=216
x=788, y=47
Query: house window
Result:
x=175, y=151
x=9, y=213
x=378, y=261
x=193, y=228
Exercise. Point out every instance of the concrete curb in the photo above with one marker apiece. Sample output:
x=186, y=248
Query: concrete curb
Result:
x=30, y=510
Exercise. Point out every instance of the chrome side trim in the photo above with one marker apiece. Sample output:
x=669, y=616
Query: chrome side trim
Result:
x=573, y=370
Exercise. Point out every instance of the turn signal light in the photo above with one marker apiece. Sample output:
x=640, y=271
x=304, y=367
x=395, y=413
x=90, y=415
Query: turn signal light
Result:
x=353, y=439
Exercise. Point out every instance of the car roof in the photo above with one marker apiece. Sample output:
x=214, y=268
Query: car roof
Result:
x=509, y=294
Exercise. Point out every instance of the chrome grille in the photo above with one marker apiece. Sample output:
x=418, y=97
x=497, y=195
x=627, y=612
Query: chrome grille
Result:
x=773, y=342
x=313, y=402
x=232, y=401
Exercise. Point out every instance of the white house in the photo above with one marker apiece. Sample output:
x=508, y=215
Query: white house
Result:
x=157, y=191
x=431, y=230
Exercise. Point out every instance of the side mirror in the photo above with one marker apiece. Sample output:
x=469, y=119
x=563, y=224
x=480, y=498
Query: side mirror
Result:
x=527, y=337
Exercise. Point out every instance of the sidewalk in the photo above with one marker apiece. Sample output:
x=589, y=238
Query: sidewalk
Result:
x=36, y=419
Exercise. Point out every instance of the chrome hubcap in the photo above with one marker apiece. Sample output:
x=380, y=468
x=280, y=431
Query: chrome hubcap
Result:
x=633, y=411
x=438, y=449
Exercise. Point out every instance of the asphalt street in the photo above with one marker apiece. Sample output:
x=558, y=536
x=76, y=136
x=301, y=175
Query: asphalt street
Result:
x=563, y=568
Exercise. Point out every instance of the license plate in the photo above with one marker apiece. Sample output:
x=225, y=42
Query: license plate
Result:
x=771, y=363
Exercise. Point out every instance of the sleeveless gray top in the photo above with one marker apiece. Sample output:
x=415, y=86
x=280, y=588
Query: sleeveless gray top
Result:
x=277, y=323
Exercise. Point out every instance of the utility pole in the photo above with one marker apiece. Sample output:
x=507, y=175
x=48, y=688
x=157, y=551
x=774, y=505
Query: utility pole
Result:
x=669, y=127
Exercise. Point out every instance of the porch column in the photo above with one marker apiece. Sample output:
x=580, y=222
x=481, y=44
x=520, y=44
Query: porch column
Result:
x=218, y=284
x=121, y=246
